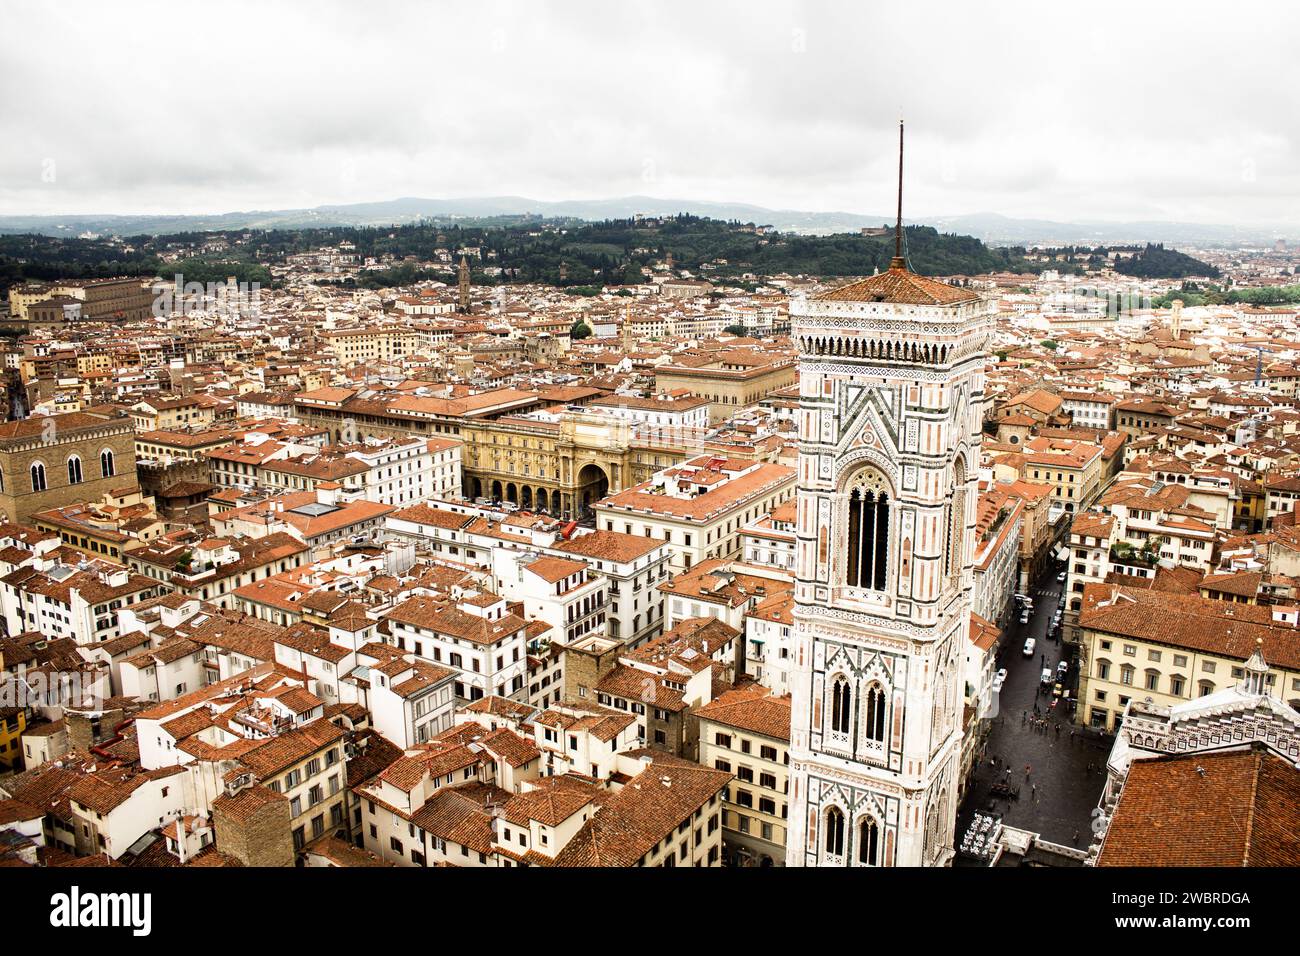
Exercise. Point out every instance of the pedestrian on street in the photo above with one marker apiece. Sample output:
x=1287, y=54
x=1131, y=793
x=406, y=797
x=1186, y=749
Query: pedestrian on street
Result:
x=1075, y=838
x=1027, y=769
x=1058, y=730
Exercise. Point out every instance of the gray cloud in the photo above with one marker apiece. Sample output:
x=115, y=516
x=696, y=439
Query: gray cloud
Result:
x=1113, y=110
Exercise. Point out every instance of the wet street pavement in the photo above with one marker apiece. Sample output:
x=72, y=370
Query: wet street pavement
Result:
x=1057, y=796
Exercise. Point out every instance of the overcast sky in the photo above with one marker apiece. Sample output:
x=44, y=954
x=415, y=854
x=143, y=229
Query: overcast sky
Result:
x=1130, y=110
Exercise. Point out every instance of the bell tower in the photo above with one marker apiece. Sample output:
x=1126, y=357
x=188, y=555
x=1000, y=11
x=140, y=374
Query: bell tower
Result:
x=891, y=386
x=462, y=287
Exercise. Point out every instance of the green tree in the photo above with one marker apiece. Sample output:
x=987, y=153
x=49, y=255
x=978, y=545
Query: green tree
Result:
x=580, y=330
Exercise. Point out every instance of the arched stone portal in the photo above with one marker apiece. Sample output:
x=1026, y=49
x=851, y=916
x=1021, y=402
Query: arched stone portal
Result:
x=593, y=484
x=543, y=501
x=526, y=498
x=496, y=491
x=512, y=493
x=475, y=488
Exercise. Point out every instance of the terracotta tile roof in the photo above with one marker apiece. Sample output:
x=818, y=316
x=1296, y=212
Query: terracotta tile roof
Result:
x=247, y=802
x=443, y=618
x=550, y=802
x=719, y=581
x=1185, y=620
x=900, y=286
x=552, y=570
x=631, y=822
x=283, y=751
x=436, y=517
x=983, y=634
x=459, y=815
x=643, y=499
x=609, y=546
x=753, y=708
x=1240, y=583
x=1234, y=808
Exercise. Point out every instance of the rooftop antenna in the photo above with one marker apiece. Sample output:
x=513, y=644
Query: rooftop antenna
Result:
x=898, y=261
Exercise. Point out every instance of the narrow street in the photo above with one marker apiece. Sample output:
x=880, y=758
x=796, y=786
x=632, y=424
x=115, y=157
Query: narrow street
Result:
x=1056, y=797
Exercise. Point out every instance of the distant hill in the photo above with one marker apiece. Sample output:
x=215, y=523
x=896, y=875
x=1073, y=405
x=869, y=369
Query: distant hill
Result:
x=561, y=252
x=990, y=228
x=556, y=252
x=1157, y=262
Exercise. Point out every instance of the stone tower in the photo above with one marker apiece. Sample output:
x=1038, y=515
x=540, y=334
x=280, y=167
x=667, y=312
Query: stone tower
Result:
x=463, y=286
x=891, y=384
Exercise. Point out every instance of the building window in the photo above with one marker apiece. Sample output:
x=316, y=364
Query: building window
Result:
x=841, y=706
x=74, y=470
x=876, y=713
x=868, y=842
x=868, y=534
x=106, y=463
x=952, y=558
x=38, y=477
x=834, y=832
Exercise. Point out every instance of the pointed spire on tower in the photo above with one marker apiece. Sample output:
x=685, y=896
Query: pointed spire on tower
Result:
x=898, y=262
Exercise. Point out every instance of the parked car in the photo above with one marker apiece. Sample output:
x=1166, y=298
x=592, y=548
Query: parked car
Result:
x=1061, y=577
x=1047, y=678
x=1062, y=668
x=999, y=679
x=1024, y=617
x=1029, y=647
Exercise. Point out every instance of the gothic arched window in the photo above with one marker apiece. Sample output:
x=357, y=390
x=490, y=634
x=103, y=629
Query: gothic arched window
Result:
x=953, y=557
x=38, y=477
x=835, y=832
x=841, y=706
x=869, y=842
x=106, y=463
x=74, y=470
x=867, y=560
x=875, y=727
x=939, y=712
